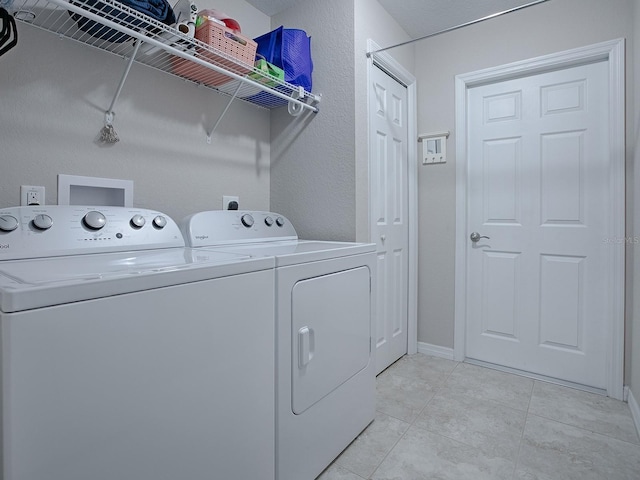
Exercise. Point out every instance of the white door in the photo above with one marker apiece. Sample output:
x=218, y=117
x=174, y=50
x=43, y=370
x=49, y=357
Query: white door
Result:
x=389, y=172
x=538, y=188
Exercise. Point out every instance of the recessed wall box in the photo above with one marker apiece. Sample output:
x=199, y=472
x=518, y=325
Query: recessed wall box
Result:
x=434, y=147
x=80, y=190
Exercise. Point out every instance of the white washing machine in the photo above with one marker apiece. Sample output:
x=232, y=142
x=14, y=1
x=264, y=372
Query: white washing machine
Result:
x=325, y=374
x=126, y=355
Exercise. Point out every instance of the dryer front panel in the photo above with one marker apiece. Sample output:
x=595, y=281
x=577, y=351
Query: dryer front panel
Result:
x=331, y=332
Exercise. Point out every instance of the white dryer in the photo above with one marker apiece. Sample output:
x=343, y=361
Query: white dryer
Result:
x=325, y=393
x=126, y=355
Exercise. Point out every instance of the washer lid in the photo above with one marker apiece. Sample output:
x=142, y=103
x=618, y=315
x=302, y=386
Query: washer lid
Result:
x=295, y=252
x=35, y=283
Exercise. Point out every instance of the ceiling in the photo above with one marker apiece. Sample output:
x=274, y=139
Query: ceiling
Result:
x=419, y=18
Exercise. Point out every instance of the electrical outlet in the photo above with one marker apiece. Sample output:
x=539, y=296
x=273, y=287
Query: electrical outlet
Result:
x=227, y=202
x=31, y=196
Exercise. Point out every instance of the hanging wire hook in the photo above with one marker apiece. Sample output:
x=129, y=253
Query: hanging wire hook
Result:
x=108, y=134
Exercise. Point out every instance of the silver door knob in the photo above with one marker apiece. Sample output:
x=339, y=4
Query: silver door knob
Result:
x=475, y=237
x=383, y=238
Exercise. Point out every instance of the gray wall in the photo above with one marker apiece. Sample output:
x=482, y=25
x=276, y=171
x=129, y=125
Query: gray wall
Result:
x=312, y=162
x=319, y=167
x=546, y=28
x=633, y=331
x=53, y=96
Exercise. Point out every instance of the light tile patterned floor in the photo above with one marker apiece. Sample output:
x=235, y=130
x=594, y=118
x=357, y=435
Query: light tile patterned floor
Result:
x=444, y=420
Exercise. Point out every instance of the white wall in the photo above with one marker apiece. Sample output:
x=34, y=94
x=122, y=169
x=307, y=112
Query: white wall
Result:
x=546, y=28
x=53, y=96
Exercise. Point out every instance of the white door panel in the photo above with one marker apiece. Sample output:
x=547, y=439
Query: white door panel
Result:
x=389, y=170
x=538, y=187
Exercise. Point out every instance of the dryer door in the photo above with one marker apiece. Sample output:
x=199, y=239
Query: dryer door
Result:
x=331, y=330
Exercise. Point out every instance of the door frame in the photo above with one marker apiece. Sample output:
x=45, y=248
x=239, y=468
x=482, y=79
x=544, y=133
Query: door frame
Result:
x=388, y=64
x=612, y=52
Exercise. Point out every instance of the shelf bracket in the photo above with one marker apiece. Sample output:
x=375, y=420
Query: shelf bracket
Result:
x=296, y=108
x=233, y=97
x=110, y=113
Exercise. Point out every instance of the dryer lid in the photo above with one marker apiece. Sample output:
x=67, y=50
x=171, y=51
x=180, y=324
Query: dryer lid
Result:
x=296, y=252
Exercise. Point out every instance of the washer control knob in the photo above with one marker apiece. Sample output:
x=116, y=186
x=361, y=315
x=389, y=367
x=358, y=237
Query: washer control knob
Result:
x=42, y=222
x=137, y=221
x=94, y=220
x=160, y=222
x=247, y=220
x=280, y=221
x=268, y=221
x=8, y=223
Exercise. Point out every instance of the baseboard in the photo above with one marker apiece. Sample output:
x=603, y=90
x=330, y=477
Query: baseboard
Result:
x=635, y=410
x=435, y=350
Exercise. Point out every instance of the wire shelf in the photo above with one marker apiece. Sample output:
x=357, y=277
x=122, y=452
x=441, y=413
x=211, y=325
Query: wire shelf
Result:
x=117, y=29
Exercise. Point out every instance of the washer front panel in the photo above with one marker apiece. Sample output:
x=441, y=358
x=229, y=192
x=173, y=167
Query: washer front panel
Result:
x=172, y=383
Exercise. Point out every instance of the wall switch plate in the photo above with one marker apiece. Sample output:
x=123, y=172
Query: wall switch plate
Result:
x=31, y=195
x=227, y=202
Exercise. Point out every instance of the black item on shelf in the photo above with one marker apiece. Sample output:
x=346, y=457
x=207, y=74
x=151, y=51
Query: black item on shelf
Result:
x=8, y=32
x=157, y=9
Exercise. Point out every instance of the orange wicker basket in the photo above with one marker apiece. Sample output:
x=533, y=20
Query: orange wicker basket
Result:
x=241, y=49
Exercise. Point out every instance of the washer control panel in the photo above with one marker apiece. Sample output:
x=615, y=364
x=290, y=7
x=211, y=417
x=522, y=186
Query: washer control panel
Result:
x=223, y=227
x=53, y=230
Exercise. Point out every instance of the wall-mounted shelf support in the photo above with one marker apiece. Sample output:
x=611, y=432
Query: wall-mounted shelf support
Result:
x=294, y=108
x=109, y=114
x=233, y=97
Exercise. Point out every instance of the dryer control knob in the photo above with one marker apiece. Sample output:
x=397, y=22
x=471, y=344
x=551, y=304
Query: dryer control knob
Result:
x=8, y=223
x=94, y=220
x=268, y=221
x=280, y=221
x=160, y=222
x=42, y=222
x=137, y=221
x=247, y=220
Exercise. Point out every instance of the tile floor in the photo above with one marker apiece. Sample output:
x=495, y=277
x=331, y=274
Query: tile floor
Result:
x=444, y=420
